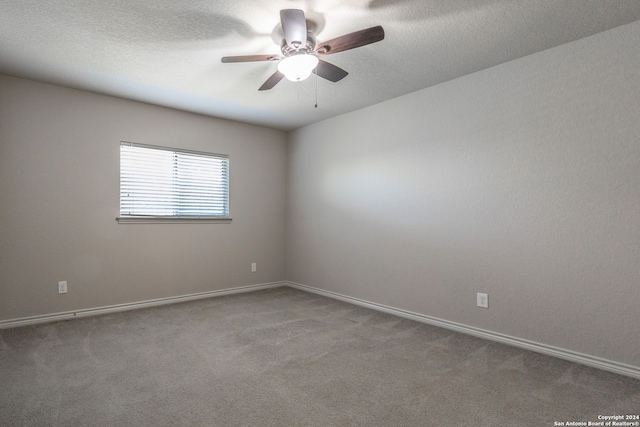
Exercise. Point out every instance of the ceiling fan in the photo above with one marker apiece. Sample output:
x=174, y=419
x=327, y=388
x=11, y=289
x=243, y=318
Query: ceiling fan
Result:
x=300, y=55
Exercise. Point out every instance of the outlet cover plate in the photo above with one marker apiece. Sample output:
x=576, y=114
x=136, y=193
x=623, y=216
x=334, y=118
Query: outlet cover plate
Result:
x=62, y=287
x=483, y=300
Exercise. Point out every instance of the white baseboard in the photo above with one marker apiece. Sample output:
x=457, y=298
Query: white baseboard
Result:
x=12, y=323
x=596, y=362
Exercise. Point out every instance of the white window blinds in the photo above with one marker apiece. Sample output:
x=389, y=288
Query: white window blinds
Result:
x=159, y=182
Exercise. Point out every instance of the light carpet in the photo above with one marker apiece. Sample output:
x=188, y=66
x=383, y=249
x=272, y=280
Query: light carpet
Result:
x=284, y=357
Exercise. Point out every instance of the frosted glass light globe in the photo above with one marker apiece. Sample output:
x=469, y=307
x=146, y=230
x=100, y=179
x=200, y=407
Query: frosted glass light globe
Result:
x=298, y=67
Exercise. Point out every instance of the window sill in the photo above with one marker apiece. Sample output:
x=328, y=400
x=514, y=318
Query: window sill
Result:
x=171, y=220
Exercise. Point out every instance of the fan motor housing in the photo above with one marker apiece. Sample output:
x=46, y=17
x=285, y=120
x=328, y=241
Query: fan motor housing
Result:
x=307, y=48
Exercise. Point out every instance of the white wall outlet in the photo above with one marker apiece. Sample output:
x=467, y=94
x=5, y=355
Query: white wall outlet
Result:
x=62, y=287
x=483, y=300
x=254, y=267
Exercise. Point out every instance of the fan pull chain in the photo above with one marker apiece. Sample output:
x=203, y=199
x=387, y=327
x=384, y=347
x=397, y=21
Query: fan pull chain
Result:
x=316, y=88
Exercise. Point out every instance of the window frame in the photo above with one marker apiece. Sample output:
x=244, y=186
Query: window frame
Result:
x=124, y=218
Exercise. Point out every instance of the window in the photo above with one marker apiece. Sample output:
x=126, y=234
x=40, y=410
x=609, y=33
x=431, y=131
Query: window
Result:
x=165, y=184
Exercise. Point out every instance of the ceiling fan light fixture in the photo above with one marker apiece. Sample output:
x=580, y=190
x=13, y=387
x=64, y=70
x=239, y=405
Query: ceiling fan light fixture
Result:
x=299, y=59
x=298, y=67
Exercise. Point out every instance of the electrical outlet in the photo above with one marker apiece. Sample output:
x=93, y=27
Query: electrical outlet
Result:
x=483, y=300
x=62, y=287
x=254, y=267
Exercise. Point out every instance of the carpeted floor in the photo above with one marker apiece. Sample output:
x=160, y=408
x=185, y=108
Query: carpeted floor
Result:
x=283, y=357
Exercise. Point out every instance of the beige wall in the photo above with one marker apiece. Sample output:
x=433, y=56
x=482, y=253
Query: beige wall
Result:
x=521, y=181
x=59, y=165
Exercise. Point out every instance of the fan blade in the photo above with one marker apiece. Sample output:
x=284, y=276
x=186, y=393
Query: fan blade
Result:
x=351, y=40
x=330, y=71
x=294, y=27
x=250, y=58
x=272, y=81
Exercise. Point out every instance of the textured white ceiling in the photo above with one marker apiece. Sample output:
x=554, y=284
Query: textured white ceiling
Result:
x=167, y=52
